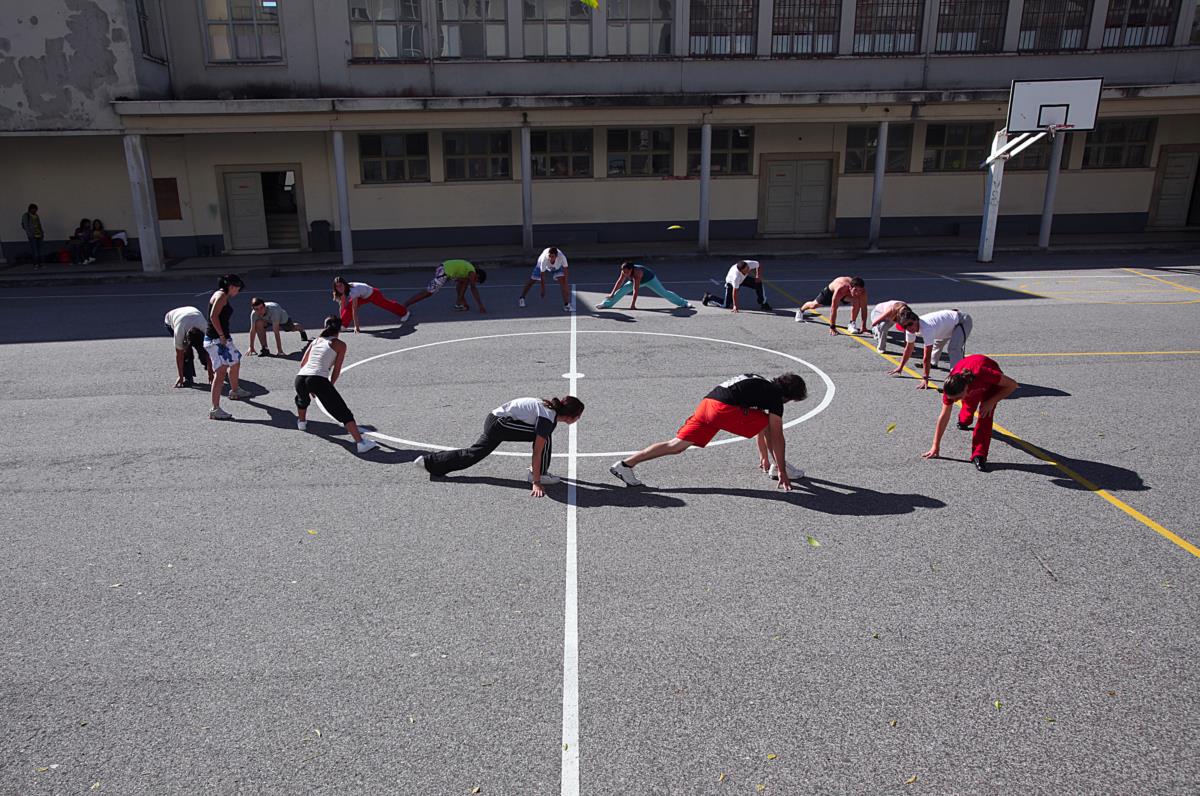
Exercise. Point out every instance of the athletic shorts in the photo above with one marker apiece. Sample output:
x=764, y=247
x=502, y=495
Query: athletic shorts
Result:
x=326, y=393
x=287, y=326
x=220, y=354
x=555, y=273
x=825, y=297
x=438, y=282
x=712, y=416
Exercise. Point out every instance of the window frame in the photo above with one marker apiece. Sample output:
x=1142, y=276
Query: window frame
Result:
x=542, y=24
x=628, y=20
x=467, y=156
x=868, y=148
x=1091, y=144
x=569, y=153
x=1117, y=27
x=230, y=23
x=870, y=29
x=703, y=28
x=823, y=18
x=1037, y=13
x=401, y=24
x=145, y=30
x=972, y=154
x=729, y=152
x=483, y=22
x=383, y=158
x=629, y=151
x=984, y=20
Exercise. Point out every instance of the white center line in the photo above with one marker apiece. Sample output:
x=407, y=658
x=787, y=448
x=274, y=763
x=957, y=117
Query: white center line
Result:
x=570, y=718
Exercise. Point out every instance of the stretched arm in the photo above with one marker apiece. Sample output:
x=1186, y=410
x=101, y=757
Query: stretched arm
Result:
x=479, y=299
x=1006, y=386
x=908, y=349
x=179, y=367
x=764, y=463
x=637, y=283
x=862, y=308
x=253, y=332
x=926, y=356
x=354, y=313
x=617, y=285
x=776, y=444
x=938, y=430
x=278, y=339
x=539, y=444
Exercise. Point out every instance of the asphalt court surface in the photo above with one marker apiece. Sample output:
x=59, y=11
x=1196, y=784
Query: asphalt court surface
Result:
x=241, y=607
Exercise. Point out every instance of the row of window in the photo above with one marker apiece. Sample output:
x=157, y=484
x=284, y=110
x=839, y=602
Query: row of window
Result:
x=249, y=30
x=649, y=151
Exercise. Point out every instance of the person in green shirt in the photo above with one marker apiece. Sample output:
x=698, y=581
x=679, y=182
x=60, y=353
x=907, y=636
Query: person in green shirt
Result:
x=464, y=275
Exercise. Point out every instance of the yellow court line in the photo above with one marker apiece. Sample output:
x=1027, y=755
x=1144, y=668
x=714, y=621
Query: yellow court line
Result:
x=1096, y=354
x=1164, y=281
x=1037, y=452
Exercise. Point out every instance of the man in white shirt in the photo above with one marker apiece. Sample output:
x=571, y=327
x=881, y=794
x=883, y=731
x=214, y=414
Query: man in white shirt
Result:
x=941, y=330
x=743, y=273
x=187, y=325
x=551, y=262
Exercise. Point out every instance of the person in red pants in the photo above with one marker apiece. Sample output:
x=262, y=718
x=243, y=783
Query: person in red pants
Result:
x=979, y=384
x=349, y=295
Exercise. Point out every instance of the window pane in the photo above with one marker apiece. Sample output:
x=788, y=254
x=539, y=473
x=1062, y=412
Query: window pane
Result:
x=581, y=36
x=272, y=47
x=417, y=144
x=556, y=40
x=455, y=169
x=362, y=44
x=500, y=168
x=393, y=146
x=388, y=46
x=497, y=45
x=418, y=169
x=558, y=166
x=219, y=44
x=501, y=143
x=662, y=164
x=395, y=170
x=245, y=45
x=216, y=9
x=369, y=146
x=242, y=9
x=267, y=10
x=383, y=9
x=739, y=163
x=581, y=165
x=533, y=41
x=372, y=171
x=617, y=39
x=618, y=140
x=616, y=165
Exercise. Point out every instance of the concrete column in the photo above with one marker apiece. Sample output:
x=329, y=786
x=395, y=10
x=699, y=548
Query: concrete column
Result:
x=991, y=206
x=846, y=28
x=766, y=18
x=526, y=190
x=516, y=28
x=343, y=197
x=600, y=31
x=705, y=179
x=1051, y=188
x=145, y=208
x=1012, y=26
x=877, y=186
x=1183, y=31
x=682, y=32
x=1095, y=36
x=929, y=26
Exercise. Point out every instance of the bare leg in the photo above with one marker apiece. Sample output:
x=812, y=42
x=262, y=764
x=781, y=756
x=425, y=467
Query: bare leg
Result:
x=460, y=292
x=528, y=285
x=352, y=427
x=233, y=376
x=218, y=382
x=278, y=342
x=566, y=290
x=810, y=305
x=420, y=295
x=669, y=448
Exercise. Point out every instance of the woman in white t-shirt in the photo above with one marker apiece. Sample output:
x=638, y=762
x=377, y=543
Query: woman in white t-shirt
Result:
x=519, y=420
x=349, y=295
x=320, y=368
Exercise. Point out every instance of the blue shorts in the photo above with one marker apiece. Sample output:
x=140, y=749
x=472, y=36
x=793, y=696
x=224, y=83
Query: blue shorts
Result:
x=557, y=273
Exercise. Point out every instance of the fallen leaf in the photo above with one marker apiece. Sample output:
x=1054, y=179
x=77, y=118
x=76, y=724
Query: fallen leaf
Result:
x=565, y=747
x=43, y=770
x=772, y=756
x=116, y=585
x=1112, y=693
x=874, y=635
x=318, y=732
x=911, y=780
x=95, y=786
x=891, y=427
x=813, y=542
x=892, y=723
x=311, y=532
x=673, y=226
x=760, y=787
x=998, y=704
x=721, y=777
x=476, y=789
x=412, y=720
x=1048, y=719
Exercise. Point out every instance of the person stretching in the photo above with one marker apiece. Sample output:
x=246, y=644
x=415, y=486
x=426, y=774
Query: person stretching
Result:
x=979, y=384
x=268, y=313
x=319, y=371
x=851, y=289
x=519, y=420
x=884, y=314
x=186, y=325
x=218, y=343
x=944, y=329
x=551, y=262
x=748, y=405
x=631, y=278
x=349, y=295
x=464, y=275
x=739, y=276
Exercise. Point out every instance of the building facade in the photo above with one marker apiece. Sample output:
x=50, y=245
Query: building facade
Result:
x=206, y=126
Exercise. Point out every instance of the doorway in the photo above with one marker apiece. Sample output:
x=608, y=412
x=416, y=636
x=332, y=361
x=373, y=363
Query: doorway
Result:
x=264, y=209
x=795, y=196
x=1177, y=189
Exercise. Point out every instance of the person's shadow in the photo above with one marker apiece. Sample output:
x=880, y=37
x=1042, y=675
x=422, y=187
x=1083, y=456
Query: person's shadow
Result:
x=335, y=433
x=1101, y=475
x=1037, y=391
x=614, y=315
x=826, y=497
x=393, y=332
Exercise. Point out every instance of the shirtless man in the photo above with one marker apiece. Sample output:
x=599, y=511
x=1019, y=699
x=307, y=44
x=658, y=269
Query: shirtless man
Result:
x=844, y=289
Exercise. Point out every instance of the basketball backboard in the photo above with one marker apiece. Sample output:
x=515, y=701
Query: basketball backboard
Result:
x=1033, y=105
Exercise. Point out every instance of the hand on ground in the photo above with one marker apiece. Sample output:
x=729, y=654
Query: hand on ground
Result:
x=932, y=453
x=537, y=491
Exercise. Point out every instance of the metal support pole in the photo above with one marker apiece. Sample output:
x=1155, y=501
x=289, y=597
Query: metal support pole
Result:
x=705, y=179
x=343, y=195
x=145, y=207
x=877, y=186
x=526, y=190
x=991, y=207
x=1051, y=188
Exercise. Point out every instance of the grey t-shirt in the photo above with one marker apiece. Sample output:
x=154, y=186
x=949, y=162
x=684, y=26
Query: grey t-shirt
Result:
x=182, y=321
x=275, y=315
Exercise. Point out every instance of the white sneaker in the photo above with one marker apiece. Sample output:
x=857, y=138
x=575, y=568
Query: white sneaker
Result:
x=302, y=425
x=793, y=472
x=547, y=478
x=521, y=302
x=601, y=306
x=419, y=462
x=687, y=306
x=625, y=473
x=801, y=315
x=568, y=308
x=403, y=319
x=854, y=329
x=238, y=394
x=367, y=445
x=219, y=414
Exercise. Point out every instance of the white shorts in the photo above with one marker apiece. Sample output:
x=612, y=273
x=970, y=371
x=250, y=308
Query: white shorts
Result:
x=555, y=273
x=220, y=354
x=438, y=282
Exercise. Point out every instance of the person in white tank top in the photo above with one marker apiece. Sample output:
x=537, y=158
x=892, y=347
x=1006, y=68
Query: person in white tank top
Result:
x=320, y=368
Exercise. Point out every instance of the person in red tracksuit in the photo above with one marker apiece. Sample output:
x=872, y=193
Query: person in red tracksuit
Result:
x=980, y=384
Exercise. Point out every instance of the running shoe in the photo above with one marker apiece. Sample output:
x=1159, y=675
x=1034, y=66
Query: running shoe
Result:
x=547, y=478
x=801, y=315
x=980, y=463
x=219, y=414
x=264, y=353
x=521, y=302
x=625, y=473
x=419, y=462
x=964, y=426
x=707, y=298
x=854, y=329
x=567, y=308
x=601, y=306
x=367, y=445
x=403, y=319
x=303, y=336
x=461, y=307
x=238, y=394
x=793, y=472
x=302, y=425
x=765, y=307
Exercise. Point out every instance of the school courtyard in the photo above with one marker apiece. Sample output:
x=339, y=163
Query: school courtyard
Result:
x=195, y=606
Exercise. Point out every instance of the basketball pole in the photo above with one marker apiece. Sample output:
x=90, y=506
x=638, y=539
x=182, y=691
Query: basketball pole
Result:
x=1056, y=151
x=995, y=179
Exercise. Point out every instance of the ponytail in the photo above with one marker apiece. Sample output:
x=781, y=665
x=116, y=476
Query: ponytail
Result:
x=229, y=280
x=333, y=325
x=570, y=406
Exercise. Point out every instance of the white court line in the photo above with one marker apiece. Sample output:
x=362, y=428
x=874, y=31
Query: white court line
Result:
x=570, y=709
x=825, y=401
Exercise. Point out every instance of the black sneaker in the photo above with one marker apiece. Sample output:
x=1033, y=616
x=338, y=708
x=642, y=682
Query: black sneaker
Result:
x=980, y=463
x=264, y=353
x=765, y=307
x=964, y=426
x=707, y=298
x=303, y=336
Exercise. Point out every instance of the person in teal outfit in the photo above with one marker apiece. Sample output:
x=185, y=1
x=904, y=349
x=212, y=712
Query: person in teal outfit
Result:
x=633, y=277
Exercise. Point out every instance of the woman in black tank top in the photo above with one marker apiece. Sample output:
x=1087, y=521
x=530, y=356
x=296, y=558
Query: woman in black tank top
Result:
x=218, y=344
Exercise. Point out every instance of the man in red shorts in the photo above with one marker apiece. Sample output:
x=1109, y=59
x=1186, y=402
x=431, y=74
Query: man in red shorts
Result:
x=749, y=406
x=980, y=384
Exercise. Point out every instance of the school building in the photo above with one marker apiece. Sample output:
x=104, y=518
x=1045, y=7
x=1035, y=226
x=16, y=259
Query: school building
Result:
x=226, y=126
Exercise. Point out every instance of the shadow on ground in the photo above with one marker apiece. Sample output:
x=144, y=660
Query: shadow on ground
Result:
x=1104, y=476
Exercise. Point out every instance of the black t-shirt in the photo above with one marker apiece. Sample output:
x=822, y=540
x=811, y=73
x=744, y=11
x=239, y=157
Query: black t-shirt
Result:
x=750, y=391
